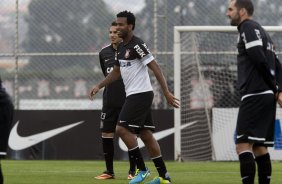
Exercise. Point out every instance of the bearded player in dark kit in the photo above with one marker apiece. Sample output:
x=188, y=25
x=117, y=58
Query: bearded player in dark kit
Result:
x=260, y=86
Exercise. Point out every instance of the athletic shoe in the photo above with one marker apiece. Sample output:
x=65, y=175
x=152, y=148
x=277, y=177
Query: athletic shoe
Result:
x=140, y=176
x=105, y=175
x=159, y=180
x=130, y=175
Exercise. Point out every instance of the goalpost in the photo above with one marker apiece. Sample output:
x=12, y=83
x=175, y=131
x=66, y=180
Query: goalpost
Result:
x=205, y=74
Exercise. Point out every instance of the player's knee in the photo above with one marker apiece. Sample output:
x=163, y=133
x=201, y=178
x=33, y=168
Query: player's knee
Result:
x=238, y=150
x=120, y=131
x=260, y=150
x=147, y=136
x=243, y=147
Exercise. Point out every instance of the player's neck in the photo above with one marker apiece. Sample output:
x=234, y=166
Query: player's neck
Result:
x=246, y=17
x=115, y=45
x=128, y=38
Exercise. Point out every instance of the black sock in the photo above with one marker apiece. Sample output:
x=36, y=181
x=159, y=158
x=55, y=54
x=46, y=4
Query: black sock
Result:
x=160, y=166
x=247, y=167
x=264, y=168
x=136, y=153
x=1, y=175
x=108, y=149
x=131, y=162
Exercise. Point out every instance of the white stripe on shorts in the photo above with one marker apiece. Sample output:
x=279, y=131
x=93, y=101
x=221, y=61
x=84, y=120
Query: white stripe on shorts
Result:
x=256, y=138
x=149, y=126
x=135, y=126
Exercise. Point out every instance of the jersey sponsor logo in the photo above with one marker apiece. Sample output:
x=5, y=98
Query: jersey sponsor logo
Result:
x=124, y=63
x=158, y=136
x=139, y=51
x=17, y=142
x=144, y=44
x=106, y=60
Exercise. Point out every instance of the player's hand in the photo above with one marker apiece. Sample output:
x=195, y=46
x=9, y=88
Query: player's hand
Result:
x=279, y=98
x=93, y=92
x=171, y=100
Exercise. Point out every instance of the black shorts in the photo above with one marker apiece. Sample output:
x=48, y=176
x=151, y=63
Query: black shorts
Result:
x=109, y=118
x=256, y=120
x=6, y=117
x=136, y=112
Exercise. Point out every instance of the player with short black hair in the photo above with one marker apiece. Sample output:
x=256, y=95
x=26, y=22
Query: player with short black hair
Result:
x=130, y=18
x=113, y=99
x=260, y=86
x=6, y=118
x=134, y=59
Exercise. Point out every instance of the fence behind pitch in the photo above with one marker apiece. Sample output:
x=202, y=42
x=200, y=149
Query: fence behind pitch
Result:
x=205, y=74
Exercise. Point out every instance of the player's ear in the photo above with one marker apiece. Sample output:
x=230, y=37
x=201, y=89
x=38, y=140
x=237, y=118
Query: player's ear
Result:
x=130, y=26
x=243, y=12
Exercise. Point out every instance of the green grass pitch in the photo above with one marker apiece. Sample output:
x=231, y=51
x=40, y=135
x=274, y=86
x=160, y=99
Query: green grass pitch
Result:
x=83, y=172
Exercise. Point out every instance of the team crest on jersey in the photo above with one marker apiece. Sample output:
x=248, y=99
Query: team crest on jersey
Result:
x=126, y=55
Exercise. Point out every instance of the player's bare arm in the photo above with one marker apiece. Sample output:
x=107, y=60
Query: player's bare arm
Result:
x=113, y=76
x=171, y=100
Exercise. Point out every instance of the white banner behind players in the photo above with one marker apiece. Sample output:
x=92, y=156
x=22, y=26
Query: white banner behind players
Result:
x=224, y=123
x=60, y=104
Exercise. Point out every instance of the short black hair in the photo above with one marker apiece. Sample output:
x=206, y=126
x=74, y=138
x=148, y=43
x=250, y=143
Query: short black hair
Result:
x=129, y=16
x=114, y=23
x=247, y=4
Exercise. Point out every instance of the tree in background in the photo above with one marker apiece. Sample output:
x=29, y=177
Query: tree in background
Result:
x=65, y=26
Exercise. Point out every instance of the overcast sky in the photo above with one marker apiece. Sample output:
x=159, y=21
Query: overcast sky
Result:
x=134, y=6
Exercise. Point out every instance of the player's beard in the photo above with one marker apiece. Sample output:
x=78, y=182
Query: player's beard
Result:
x=123, y=34
x=235, y=21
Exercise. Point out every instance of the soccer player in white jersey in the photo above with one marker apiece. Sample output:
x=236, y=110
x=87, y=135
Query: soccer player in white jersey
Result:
x=260, y=86
x=133, y=60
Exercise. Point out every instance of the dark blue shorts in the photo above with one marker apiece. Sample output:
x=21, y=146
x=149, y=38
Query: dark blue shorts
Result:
x=136, y=112
x=256, y=120
x=109, y=119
